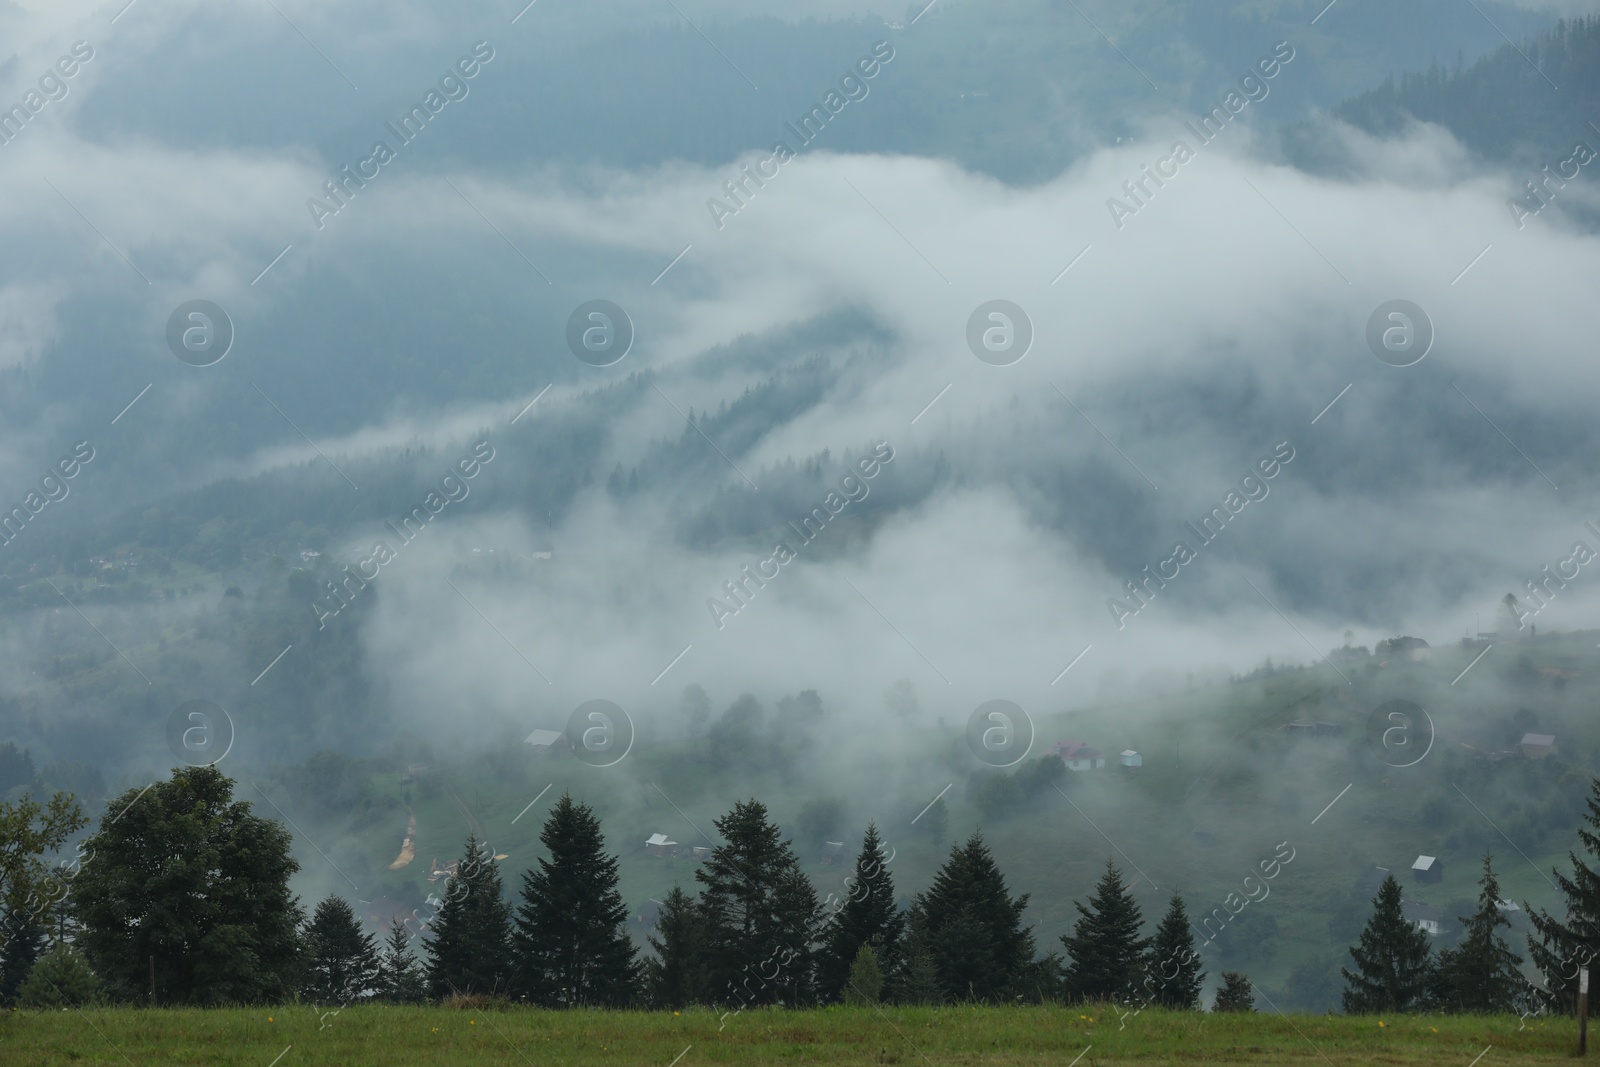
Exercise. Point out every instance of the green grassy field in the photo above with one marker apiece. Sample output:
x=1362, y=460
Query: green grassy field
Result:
x=397, y=1037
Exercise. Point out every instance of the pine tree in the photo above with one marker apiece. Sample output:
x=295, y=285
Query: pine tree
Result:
x=1173, y=978
x=1565, y=945
x=1235, y=994
x=1481, y=973
x=571, y=944
x=1105, y=950
x=61, y=979
x=677, y=977
x=865, y=982
x=919, y=983
x=400, y=976
x=22, y=938
x=341, y=958
x=470, y=950
x=760, y=912
x=867, y=917
x=1392, y=964
x=971, y=927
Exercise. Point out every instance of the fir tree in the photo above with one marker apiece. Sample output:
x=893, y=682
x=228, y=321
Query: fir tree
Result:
x=341, y=958
x=1481, y=973
x=61, y=979
x=470, y=949
x=1392, y=964
x=760, y=912
x=971, y=927
x=868, y=917
x=400, y=976
x=1173, y=978
x=1235, y=994
x=1564, y=945
x=677, y=976
x=864, y=985
x=919, y=983
x=571, y=944
x=22, y=938
x=1104, y=948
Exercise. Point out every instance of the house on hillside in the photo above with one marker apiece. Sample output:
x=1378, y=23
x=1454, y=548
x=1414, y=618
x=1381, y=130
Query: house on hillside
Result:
x=832, y=852
x=1422, y=915
x=660, y=845
x=700, y=853
x=1079, y=756
x=545, y=741
x=1428, y=869
x=1538, y=746
x=1130, y=758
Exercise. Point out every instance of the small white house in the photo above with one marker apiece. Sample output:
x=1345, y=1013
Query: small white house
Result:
x=1079, y=756
x=1130, y=758
x=1538, y=746
x=660, y=845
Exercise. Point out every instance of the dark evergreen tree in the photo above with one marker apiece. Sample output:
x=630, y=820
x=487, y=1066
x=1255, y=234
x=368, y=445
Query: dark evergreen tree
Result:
x=1481, y=974
x=22, y=938
x=864, y=985
x=868, y=916
x=571, y=943
x=470, y=947
x=1173, y=978
x=1105, y=952
x=61, y=978
x=1392, y=962
x=400, y=976
x=1560, y=947
x=760, y=912
x=1235, y=994
x=677, y=977
x=919, y=982
x=184, y=874
x=971, y=927
x=341, y=958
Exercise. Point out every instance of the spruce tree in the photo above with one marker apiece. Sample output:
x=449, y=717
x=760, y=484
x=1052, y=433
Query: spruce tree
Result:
x=571, y=943
x=22, y=938
x=470, y=950
x=1105, y=950
x=1481, y=973
x=677, y=977
x=1235, y=994
x=919, y=983
x=1392, y=964
x=864, y=985
x=1173, y=978
x=1563, y=945
x=760, y=913
x=971, y=927
x=341, y=958
x=867, y=917
x=61, y=979
x=400, y=977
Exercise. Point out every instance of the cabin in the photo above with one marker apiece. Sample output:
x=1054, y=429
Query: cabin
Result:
x=545, y=741
x=1422, y=915
x=1130, y=758
x=700, y=853
x=660, y=845
x=1428, y=869
x=1538, y=746
x=832, y=852
x=1079, y=756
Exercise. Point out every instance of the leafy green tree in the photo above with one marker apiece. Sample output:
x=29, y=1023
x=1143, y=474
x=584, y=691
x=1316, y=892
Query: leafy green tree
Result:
x=1560, y=946
x=22, y=940
x=28, y=831
x=1235, y=994
x=341, y=958
x=1105, y=952
x=61, y=979
x=1481, y=973
x=400, y=976
x=1392, y=960
x=865, y=982
x=760, y=911
x=971, y=927
x=470, y=947
x=868, y=916
x=678, y=976
x=186, y=876
x=1173, y=978
x=571, y=943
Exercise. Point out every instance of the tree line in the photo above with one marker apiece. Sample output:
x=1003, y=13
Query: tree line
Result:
x=181, y=896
